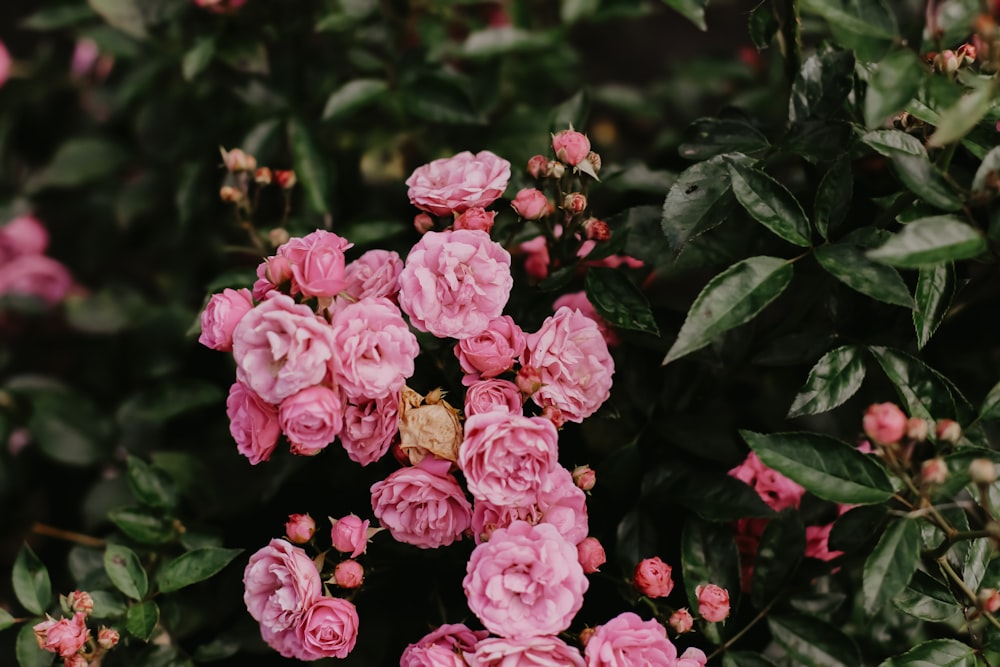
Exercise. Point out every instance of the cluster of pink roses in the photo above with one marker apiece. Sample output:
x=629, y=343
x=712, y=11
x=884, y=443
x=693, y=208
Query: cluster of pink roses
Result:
x=25, y=269
x=70, y=638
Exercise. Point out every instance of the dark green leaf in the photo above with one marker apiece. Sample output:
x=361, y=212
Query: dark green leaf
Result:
x=692, y=10
x=730, y=299
x=770, y=203
x=78, y=162
x=762, y=26
x=833, y=197
x=744, y=659
x=141, y=619
x=68, y=428
x=6, y=619
x=927, y=598
x=699, y=200
x=990, y=165
x=826, y=467
x=779, y=554
x=142, y=526
x=571, y=11
x=197, y=59
x=707, y=137
x=812, y=642
x=709, y=556
x=893, y=143
x=926, y=181
x=53, y=18
x=107, y=604
x=441, y=99
x=31, y=581
x=850, y=15
x=106, y=311
x=126, y=15
x=636, y=538
x=891, y=564
x=935, y=289
x=959, y=120
x=923, y=391
x=893, y=83
x=353, y=95
x=151, y=486
x=822, y=85
x=818, y=140
x=310, y=166
x=834, y=379
x=194, y=566
x=247, y=56
x=711, y=495
x=936, y=653
x=976, y=561
x=931, y=241
x=571, y=113
x=503, y=40
x=990, y=409
x=168, y=400
x=125, y=571
x=27, y=651
x=618, y=300
x=850, y=265
x=857, y=527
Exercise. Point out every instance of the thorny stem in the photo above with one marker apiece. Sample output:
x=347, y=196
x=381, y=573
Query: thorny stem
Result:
x=746, y=628
x=68, y=535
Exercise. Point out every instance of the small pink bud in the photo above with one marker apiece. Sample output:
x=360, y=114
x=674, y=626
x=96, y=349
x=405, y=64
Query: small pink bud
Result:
x=575, y=202
x=75, y=660
x=554, y=415
x=571, y=147
x=989, y=600
x=475, y=218
x=531, y=204
x=585, y=636
x=107, y=638
x=584, y=477
x=966, y=54
x=262, y=176
x=349, y=535
x=713, y=602
x=934, y=471
x=681, y=621
x=423, y=223
x=278, y=236
x=279, y=270
x=595, y=161
x=300, y=528
x=982, y=471
x=597, y=230
x=237, y=160
x=285, y=178
x=591, y=554
x=349, y=574
x=653, y=578
x=946, y=62
x=538, y=166
x=916, y=429
x=884, y=423
x=78, y=601
x=555, y=169
x=231, y=195
x=948, y=430
x=528, y=380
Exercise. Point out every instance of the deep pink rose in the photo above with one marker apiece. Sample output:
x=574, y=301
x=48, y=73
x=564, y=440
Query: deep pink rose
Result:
x=375, y=273
x=507, y=459
x=885, y=423
x=692, y=657
x=525, y=652
x=369, y=427
x=35, y=275
x=65, y=636
x=443, y=647
x=531, y=204
x=571, y=146
x=220, y=317
x=349, y=573
x=574, y=362
x=536, y=261
x=487, y=395
x=373, y=349
x=300, y=528
x=491, y=352
x=525, y=582
x=455, y=283
x=328, y=630
x=24, y=235
x=652, y=578
x=627, y=640
x=311, y=419
x=452, y=185
x=317, y=261
x=422, y=505
x=349, y=535
x=281, y=347
x=253, y=423
x=775, y=489
x=591, y=554
x=475, y=218
x=817, y=543
x=713, y=602
x=281, y=584
x=579, y=301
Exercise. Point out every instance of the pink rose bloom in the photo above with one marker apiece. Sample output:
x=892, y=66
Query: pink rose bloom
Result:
x=526, y=581
x=349, y=574
x=24, y=235
x=885, y=423
x=374, y=274
x=281, y=584
x=681, y=621
x=531, y=204
x=574, y=362
x=579, y=301
x=692, y=657
x=65, y=636
x=374, y=349
x=5, y=64
x=349, y=535
x=443, y=647
x=652, y=578
x=591, y=555
x=253, y=423
x=220, y=317
x=525, y=652
x=488, y=395
x=571, y=146
x=454, y=184
x=817, y=543
x=455, y=283
x=713, y=602
x=328, y=630
x=627, y=640
x=317, y=262
x=271, y=274
x=507, y=459
x=475, y=218
x=36, y=275
x=281, y=347
x=491, y=352
x=422, y=505
x=311, y=419
x=300, y=528
x=775, y=489
x=369, y=428
x=536, y=262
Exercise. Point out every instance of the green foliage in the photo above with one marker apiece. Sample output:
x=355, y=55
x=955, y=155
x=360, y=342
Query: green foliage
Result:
x=32, y=585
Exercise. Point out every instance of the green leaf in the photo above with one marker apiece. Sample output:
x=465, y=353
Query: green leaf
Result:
x=935, y=289
x=856, y=527
x=893, y=143
x=618, y=300
x=141, y=619
x=142, y=526
x=108, y=604
x=707, y=137
x=68, y=428
x=958, y=121
x=762, y=26
x=711, y=495
x=636, y=538
x=927, y=598
x=936, y=653
x=812, y=642
x=923, y=391
x=976, y=561
x=699, y=200
x=770, y=203
x=990, y=409
x=441, y=99
x=571, y=11
x=926, y=181
x=850, y=265
x=822, y=85
x=27, y=651
x=161, y=403
x=125, y=571
x=889, y=567
x=893, y=83
x=54, y=18
x=126, y=15
x=504, y=40
x=990, y=165
x=572, y=112
x=310, y=167
x=835, y=378
x=194, y=566
x=6, y=619
x=833, y=197
x=779, y=554
x=848, y=15
x=730, y=299
x=353, y=95
x=709, y=556
x=692, y=10
x=826, y=467
x=79, y=162
x=151, y=486
x=197, y=59
x=31, y=581
x=930, y=241
x=744, y=659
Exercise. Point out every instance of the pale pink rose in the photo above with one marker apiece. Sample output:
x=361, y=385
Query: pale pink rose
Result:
x=817, y=543
x=591, y=555
x=300, y=528
x=36, y=275
x=652, y=578
x=253, y=423
x=775, y=489
x=281, y=347
x=220, y=317
x=487, y=395
x=374, y=274
x=329, y=629
x=422, y=505
x=526, y=581
x=574, y=362
x=627, y=641
x=311, y=419
x=491, y=352
x=65, y=636
x=579, y=301
x=713, y=602
x=506, y=458
x=692, y=657
x=317, y=261
x=24, y=235
x=536, y=261
x=349, y=535
x=452, y=185
x=681, y=621
x=281, y=584
x=349, y=574
x=475, y=218
x=369, y=428
x=455, y=283
x=443, y=647
x=271, y=274
x=525, y=652
x=531, y=204
x=5, y=64
x=884, y=423
x=571, y=146
x=374, y=349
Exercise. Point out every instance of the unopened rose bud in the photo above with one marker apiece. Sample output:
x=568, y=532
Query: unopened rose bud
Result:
x=934, y=471
x=77, y=601
x=278, y=236
x=531, y=204
x=884, y=423
x=585, y=636
x=575, y=203
x=555, y=169
x=237, y=160
x=538, y=166
x=231, y=195
x=946, y=62
x=349, y=574
x=681, y=621
x=349, y=535
x=596, y=230
x=107, y=638
x=916, y=429
x=595, y=161
x=948, y=430
x=982, y=471
x=285, y=178
x=653, y=578
x=528, y=380
x=423, y=223
x=262, y=176
x=554, y=415
x=278, y=270
x=584, y=477
x=475, y=218
x=591, y=554
x=300, y=528
x=570, y=146
x=966, y=54
x=989, y=600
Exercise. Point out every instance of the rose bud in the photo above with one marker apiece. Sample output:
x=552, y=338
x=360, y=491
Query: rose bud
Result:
x=597, y=230
x=591, y=554
x=681, y=621
x=982, y=471
x=884, y=423
x=571, y=147
x=652, y=578
x=585, y=636
x=300, y=528
x=237, y=160
x=349, y=574
x=948, y=430
x=713, y=602
x=77, y=601
x=916, y=429
x=584, y=477
x=934, y=471
x=262, y=176
x=555, y=169
x=531, y=204
x=107, y=638
x=475, y=218
x=285, y=178
x=231, y=195
x=538, y=166
x=989, y=599
x=575, y=202
x=423, y=223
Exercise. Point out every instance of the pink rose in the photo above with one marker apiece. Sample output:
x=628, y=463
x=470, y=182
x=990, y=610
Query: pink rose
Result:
x=311, y=419
x=281, y=347
x=525, y=652
x=422, y=505
x=369, y=427
x=537, y=166
x=713, y=602
x=281, y=584
x=574, y=362
x=349, y=574
x=487, y=395
x=571, y=146
x=350, y=535
x=65, y=636
x=253, y=423
x=443, y=647
x=692, y=657
x=536, y=261
x=5, y=64
x=271, y=274
x=23, y=235
x=817, y=543
x=220, y=317
x=317, y=261
x=531, y=204
x=35, y=275
x=627, y=640
x=591, y=554
x=455, y=283
x=584, y=477
x=506, y=458
x=374, y=349
x=652, y=578
x=452, y=185
x=328, y=630
x=579, y=301
x=475, y=218
x=374, y=274
x=526, y=581
x=220, y=6
x=681, y=621
x=491, y=352
x=885, y=423
x=775, y=489
x=300, y=528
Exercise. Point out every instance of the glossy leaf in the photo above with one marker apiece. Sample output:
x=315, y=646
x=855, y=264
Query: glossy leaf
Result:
x=923, y=391
x=708, y=555
x=692, y=10
x=619, y=301
x=935, y=289
x=846, y=15
x=708, y=137
x=353, y=95
x=762, y=26
x=990, y=409
x=53, y=18
x=959, y=120
x=699, y=200
x=936, y=653
x=198, y=58
x=636, y=538
x=6, y=619
x=822, y=85
x=826, y=467
x=976, y=562
x=835, y=378
x=857, y=527
x=125, y=571
x=151, y=486
x=161, y=403
x=108, y=604
x=79, y=162
x=31, y=581
x=927, y=598
x=713, y=496
x=850, y=265
x=310, y=166
x=194, y=566
x=891, y=564
x=730, y=299
x=68, y=428
x=812, y=642
x=989, y=165
x=779, y=554
x=931, y=241
x=893, y=83
x=27, y=652
x=141, y=619
x=142, y=525
x=833, y=197
x=893, y=143
x=770, y=203
x=926, y=181
x=744, y=659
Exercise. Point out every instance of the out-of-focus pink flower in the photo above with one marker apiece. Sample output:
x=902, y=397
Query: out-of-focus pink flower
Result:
x=627, y=640
x=775, y=489
x=692, y=657
x=713, y=602
x=884, y=423
x=817, y=543
x=36, y=276
x=5, y=64
x=545, y=651
x=220, y=317
x=536, y=261
x=220, y=6
x=653, y=578
x=452, y=185
x=24, y=235
x=253, y=423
